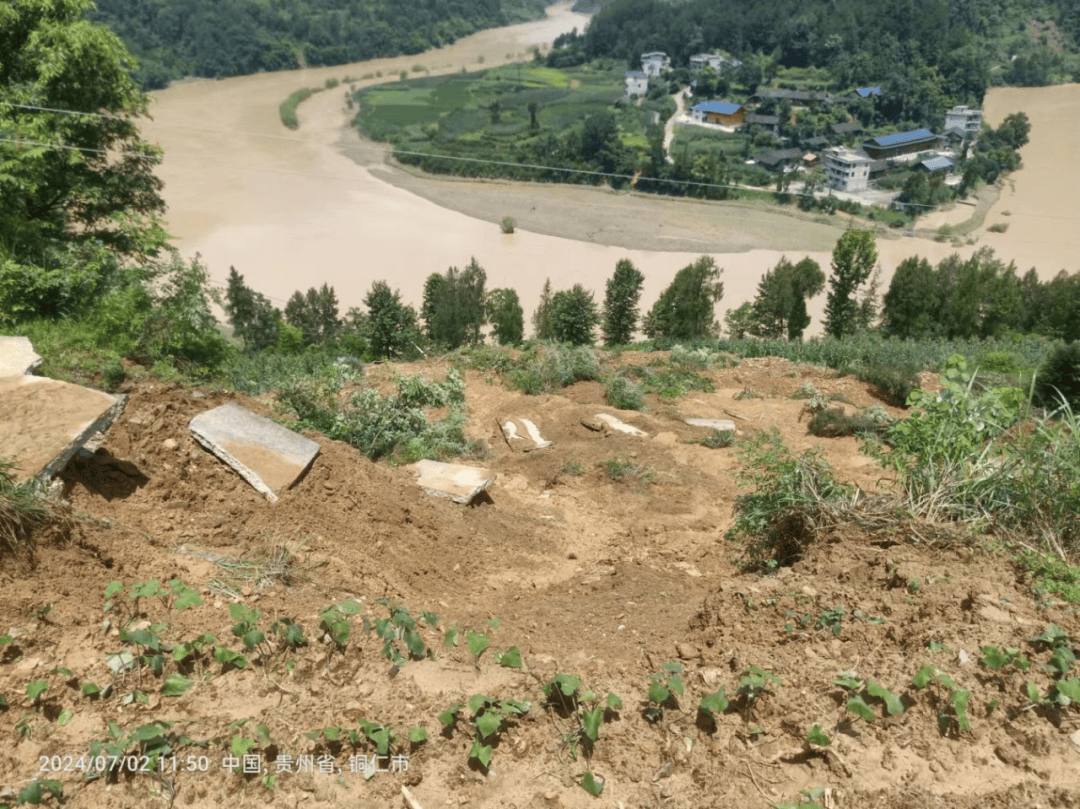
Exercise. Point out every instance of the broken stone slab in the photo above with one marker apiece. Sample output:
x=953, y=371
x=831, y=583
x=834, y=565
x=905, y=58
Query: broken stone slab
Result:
x=44, y=422
x=723, y=425
x=17, y=356
x=510, y=431
x=534, y=434
x=268, y=456
x=621, y=426
x=460, y=483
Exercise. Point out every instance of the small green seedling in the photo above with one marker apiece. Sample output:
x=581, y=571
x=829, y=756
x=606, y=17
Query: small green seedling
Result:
x=831, y=619
x=755, y=683
x=711, y=706
x=334, y=622
x=489, y=718
x=664, y=689
x=477, y=643
x=37, y=790
x=510, y=659
x=953, y=712
x=401, y=636
x=817, y=737
x=567, y=697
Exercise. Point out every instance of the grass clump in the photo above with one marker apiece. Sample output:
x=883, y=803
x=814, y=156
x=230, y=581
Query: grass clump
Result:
x=546, y=367
x=716, y=439
x=625, y=469
x=778, y=516
x=833, y=422
x=23, y=506
x=1059, y=378
x=624, y=394
x=381, y=426
x=895, y=383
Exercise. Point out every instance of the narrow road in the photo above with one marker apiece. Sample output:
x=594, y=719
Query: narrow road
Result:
x=669, y=127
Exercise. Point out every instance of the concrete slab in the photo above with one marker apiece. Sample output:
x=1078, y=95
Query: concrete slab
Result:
x=43, y=422
x=621, y=426
x=723, y=425
x=17, y=356
x=534, y=434
x=266, y=455
x=510, y=431
x=460, y=483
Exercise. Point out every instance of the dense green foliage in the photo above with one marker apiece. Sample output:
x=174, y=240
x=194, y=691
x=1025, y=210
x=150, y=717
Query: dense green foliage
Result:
x=684, y=311
x=254, y=319
x=391, y=323
x=506, y=317
x=929, y=52
x=1059, y=378
x=853, y=260
x=453, y=309
x=979, y=297
x=177, y=38
x=573, y=316
x=315, y=314
x=621, y=303
x=780, y=306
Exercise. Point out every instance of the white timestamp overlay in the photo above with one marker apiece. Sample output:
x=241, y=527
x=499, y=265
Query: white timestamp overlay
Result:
x=251, y=764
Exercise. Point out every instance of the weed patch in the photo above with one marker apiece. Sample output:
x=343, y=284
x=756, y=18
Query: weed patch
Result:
x=23, y=507
x=625, y=469
x=716, y=439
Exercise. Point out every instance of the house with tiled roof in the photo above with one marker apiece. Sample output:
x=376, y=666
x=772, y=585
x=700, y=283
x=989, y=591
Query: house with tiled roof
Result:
x=637, y=83
x=653, y=63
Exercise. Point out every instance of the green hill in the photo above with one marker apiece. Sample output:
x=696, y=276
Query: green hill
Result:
x=216, y=38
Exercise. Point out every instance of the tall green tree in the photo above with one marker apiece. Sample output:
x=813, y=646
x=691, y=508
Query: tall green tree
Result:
x=574, y=316
x=72, y=177
x=621, y=303
x=457, y=313
x=391, y=324
x=506, y=317
x=254, y=319
x=853, y=259
x=780, y=306
x=541, y=317
x=433, y=290
x=685, y=310
x=908, y=304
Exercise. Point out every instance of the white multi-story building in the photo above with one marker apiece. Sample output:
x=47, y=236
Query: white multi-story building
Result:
x=716, y=61
x=637, y=83
x=847, y=169
x=653, y=63
x=964, y=120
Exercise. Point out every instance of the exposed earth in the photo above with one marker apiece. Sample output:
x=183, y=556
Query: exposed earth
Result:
x=608, y=579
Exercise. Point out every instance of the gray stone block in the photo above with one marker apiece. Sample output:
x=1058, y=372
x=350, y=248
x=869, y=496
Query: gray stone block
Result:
x=620, y=425
x=43, y=422
x=266, y=455
x=17, y=356
x=460, y=483
x=723, y=425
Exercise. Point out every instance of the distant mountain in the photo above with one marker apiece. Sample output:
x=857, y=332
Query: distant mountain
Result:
x=216, y=38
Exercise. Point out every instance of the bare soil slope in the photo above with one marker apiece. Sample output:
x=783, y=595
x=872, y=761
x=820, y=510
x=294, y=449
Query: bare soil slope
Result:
x=605, y=578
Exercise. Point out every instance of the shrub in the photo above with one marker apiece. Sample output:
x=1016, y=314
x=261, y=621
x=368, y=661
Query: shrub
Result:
x=835, y=423
x=1060, y=377
x=895, y=382
x=549, y=367
x=716, y=439
x=507, y=224
x=624, y=394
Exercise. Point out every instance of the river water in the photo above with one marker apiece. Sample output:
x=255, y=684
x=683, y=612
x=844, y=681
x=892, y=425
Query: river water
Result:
x=289, y=210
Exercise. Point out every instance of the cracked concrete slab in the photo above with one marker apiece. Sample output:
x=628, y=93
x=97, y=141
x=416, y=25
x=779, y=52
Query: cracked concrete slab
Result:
x=17, y=356
x=620, y=425
x=44, y=422
x=460, y=483
x=723, y=425
x=268, y=456
x=534, y=434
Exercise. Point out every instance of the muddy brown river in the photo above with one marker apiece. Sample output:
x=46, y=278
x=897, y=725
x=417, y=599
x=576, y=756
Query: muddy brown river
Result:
x=294, y=209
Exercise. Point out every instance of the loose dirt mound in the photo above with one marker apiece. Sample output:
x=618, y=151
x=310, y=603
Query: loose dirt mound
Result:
x=605, y=577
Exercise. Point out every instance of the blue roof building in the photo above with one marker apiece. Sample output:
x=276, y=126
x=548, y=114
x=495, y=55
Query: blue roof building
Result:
x=866, y=92
x=936, y=164
x=884, y=146
x=718, y=112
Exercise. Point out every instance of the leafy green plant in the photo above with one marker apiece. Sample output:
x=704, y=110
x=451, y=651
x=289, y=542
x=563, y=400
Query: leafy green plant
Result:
x=858, y=705
x=716, y=439
x=490, y=717
x=38, y=790
x=754, y=684
x=778, y=515
x=665, y=687
x=507, y=225
x=832, y=619
x=566, y=697
x=624, y=394
x=401, y=637
x=951, y=700
x=334, y=622
x=625, y=469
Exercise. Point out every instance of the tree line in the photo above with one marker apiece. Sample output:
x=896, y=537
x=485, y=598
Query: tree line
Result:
x=216, y=38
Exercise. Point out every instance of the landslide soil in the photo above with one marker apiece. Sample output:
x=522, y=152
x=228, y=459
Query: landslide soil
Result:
x=605, y=578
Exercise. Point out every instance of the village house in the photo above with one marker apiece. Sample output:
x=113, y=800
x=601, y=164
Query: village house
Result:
x=866, y=92
x=718, y=112
x=899, y=143
x=847, y=169
x=936, y=165
x=965, y=121
x=769, y=122
x=716, y=61
x=653, y=63
x=778, y=158
x=846, y=128
x=637, y=83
